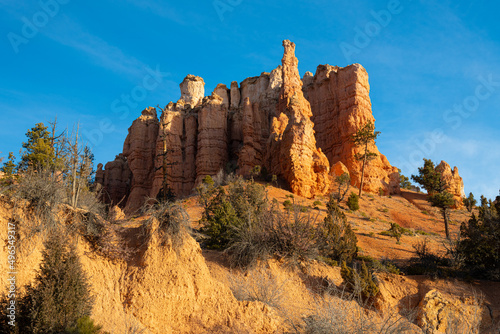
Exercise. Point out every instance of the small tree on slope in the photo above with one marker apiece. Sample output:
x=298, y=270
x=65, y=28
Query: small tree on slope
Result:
x=362, y=138
x=60, y=295
x=432, y=181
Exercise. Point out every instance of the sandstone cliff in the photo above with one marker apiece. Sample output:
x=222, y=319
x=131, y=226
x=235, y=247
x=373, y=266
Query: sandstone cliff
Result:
x=294, y=128
x=140, y=150
x=340, y=104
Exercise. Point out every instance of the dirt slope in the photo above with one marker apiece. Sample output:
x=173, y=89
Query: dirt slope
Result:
x=187, y=290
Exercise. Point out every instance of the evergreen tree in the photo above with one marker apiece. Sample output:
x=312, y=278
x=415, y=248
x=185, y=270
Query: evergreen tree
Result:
x=336, y=238
x=404, y=181
x=362, y=138
x=9, y=167
x=432, y=181
x=342, y=182
x=60, y=295
x=38, y=150
x=469, y=202
x=428, y=177
x=479, y=245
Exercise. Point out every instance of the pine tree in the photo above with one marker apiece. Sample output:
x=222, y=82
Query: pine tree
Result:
x=342, y=183
x=362, y=138
x=479, y=245
x=469, y=202
x=439, y=197
x=38, y=151
x=336, y=238
x=60, y=295
x=9, y=167
x=404, y=181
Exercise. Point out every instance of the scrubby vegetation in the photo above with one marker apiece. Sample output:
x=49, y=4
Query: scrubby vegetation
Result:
x=474, y=254
x=242, y=221
x=342, y=183
x=359, y=281
x=168, y=221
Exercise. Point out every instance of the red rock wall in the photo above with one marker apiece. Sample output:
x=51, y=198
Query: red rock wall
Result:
x=212, y=153
x=140, y=151
x=340, y=104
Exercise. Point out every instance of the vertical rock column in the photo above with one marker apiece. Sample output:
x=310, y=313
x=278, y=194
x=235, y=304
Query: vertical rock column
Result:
x=212, y=154
x=140, y=150
x=293, y=153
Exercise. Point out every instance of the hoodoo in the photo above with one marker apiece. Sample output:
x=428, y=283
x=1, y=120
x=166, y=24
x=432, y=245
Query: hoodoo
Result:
x=295, y=128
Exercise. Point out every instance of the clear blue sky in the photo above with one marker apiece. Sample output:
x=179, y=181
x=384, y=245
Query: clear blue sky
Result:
x=434, y=68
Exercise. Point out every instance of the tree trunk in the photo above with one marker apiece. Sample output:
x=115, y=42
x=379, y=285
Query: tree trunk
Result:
x=74, y=197
x=445, y=216
x=363, y=171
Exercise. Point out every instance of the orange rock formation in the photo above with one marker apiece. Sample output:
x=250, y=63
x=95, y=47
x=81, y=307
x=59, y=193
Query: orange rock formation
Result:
x=453, y=182
x=340, y=104
x=292, y=150
x=295, y=128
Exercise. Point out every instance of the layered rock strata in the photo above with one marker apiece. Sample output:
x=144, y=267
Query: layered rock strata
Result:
x=294, y=128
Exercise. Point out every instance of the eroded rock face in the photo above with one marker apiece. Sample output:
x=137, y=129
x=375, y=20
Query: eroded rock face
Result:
x=453, y=181
x=140, y=150
x=295, y=128
x=212, y=153
x=292, y=150
x=338, y=169
x=439, y=314
x=340, y=104
x=115, y=180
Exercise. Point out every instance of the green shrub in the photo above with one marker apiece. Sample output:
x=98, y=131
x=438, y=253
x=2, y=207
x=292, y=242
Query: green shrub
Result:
x=353, y=202
x=336, y=239
x=427, y=263
x=396, y=231
x=84, y=325
x=342, y=183
x=219, y=221
x=360, y=283
x=227, y=211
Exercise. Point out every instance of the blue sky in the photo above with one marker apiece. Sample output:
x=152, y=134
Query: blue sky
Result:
x=434, y=68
